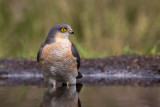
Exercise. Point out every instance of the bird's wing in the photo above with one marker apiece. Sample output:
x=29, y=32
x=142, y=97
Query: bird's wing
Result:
x=76, y=54
x=40, y=51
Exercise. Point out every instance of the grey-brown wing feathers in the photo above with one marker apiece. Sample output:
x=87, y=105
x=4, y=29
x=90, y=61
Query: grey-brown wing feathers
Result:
x=40, y=51
x=76, y=54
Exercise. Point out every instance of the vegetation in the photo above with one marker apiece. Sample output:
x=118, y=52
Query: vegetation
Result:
x=102, y=27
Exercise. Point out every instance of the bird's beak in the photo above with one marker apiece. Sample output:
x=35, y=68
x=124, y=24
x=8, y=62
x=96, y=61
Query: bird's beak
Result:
x=71, y=31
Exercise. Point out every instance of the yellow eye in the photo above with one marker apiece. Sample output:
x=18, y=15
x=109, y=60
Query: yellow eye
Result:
x=63, y=29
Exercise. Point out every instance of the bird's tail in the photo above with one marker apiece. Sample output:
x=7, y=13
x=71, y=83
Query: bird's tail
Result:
x=79, y=75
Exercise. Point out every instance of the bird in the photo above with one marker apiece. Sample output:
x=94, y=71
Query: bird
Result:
x=58, y=57
x=63, y=96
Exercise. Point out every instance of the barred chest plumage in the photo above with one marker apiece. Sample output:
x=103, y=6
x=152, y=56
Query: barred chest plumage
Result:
x=57, y=59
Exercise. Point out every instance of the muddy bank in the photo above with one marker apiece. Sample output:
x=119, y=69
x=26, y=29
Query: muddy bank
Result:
x=126, y=69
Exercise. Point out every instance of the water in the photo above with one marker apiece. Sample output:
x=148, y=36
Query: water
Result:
x=86, y=96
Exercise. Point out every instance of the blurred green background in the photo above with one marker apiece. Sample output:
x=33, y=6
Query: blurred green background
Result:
x=102, y=27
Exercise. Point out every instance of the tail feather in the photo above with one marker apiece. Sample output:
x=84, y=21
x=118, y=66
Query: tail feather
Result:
x=79, y=75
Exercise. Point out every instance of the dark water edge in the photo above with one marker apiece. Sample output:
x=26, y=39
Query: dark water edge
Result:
x=20, y=80
x=116, y=70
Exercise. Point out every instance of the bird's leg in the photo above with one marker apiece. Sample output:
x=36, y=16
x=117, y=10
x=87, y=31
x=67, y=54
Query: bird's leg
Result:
x=52, y=82
x=52, y=85
x=67, y=84
x=72, y=81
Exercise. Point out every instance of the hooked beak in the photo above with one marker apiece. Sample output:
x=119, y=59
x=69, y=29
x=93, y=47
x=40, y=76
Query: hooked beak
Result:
x=71, y=31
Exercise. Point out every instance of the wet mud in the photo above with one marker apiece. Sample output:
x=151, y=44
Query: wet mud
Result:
x=115, y=70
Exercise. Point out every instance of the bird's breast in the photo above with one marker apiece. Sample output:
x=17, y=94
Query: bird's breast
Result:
x=57, y=50
x=58, y=54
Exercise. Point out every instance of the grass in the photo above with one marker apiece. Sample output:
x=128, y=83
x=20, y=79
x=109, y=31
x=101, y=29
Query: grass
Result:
x=102, y=28
x=154, y=50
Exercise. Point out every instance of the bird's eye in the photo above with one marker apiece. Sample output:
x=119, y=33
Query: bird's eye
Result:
x=63, y=29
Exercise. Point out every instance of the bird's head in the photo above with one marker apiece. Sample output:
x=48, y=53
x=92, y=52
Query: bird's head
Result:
x=59, y=31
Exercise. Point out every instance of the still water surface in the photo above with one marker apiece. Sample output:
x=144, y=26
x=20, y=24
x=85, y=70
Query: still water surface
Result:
x=86, y=96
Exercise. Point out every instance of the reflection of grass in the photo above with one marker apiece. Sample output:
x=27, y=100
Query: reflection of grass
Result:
x=16, y=94
x=102, y=27
x=22, y=93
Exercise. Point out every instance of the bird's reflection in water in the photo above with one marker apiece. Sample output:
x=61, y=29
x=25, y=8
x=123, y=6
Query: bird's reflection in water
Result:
x=62, y=96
